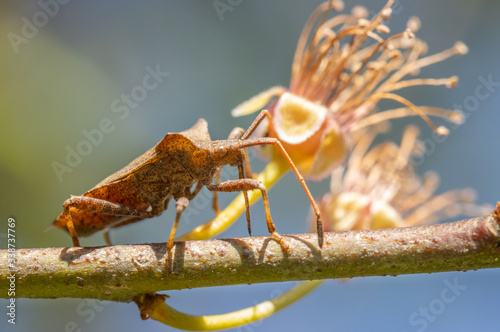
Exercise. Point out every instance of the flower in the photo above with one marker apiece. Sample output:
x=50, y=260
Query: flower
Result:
x=341, y=70
x=378, y=188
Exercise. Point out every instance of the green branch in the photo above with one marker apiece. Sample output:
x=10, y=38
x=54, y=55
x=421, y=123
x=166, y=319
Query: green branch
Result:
x=120, y=273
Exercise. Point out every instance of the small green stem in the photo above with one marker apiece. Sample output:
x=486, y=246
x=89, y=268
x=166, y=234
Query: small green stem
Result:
x=153, y=306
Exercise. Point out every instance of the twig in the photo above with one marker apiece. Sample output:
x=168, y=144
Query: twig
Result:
x=122, y=272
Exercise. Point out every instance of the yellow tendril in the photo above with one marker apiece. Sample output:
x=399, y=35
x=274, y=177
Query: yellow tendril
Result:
x=163, y=313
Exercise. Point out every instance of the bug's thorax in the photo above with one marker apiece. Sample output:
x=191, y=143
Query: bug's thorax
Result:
x=226, y=152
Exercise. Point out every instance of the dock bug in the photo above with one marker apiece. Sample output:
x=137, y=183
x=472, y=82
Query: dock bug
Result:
x=170, y=169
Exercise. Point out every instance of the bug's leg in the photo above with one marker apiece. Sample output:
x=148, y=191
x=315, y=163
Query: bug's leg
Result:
x=180, y=206
x=107, y=236
x=244, y=171
x=251, y=184
x=262, y=115
x=319, y=222
x=215, y=199
x=237, y=133
x=190, y=195
x=241, y=173
x=97, y=205
x=246, y=163
x=274, y=141
x=69, y=222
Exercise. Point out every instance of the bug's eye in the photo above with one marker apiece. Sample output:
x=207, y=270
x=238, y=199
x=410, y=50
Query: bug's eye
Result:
x=221, y=151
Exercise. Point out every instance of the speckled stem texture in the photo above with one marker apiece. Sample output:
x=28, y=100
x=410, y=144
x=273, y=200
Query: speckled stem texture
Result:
x=119, y=273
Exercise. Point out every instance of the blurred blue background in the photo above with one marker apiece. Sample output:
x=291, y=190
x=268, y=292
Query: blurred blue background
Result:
x=71, y=72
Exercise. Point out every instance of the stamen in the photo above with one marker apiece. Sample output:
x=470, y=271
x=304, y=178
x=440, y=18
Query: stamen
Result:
x=411, y=66
x=364, y=63
x=386, y=13
x=300, y=51
x=360, y=149
x=455, y=117
x=439, y=130
x=449, y=204
x=357, y=93
x=413, y=24
x=359, y=12
x=460, y=48
x=448, y=82
x=407, y=146
x=383, y=29
x=356, y=32
x=422, y=193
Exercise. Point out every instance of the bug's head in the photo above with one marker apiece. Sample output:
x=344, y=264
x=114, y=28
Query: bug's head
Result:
x=226, y=153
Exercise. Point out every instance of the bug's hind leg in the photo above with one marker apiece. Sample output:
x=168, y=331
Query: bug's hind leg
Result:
x=107, y=236
x=247, y=142
x=71, y=226
x=181, y=204
x=252, y=184
x=244, y=172
x=215, y=199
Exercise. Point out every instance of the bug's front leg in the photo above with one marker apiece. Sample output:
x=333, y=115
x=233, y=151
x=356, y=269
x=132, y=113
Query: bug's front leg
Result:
x=236, y=134
x=251, y=184
x=247, y=142
x=245, y=172
x=97, y=205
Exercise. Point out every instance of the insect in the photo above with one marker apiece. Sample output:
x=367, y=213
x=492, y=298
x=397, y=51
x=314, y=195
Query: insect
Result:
x=179, y=162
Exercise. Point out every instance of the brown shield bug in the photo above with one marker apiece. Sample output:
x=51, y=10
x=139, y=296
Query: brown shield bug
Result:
x=170, y=169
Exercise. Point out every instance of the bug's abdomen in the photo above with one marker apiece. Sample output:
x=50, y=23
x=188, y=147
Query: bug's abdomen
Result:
x=88, y=222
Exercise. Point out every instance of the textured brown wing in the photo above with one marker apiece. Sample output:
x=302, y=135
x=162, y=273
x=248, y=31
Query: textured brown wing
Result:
x=176, y=149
